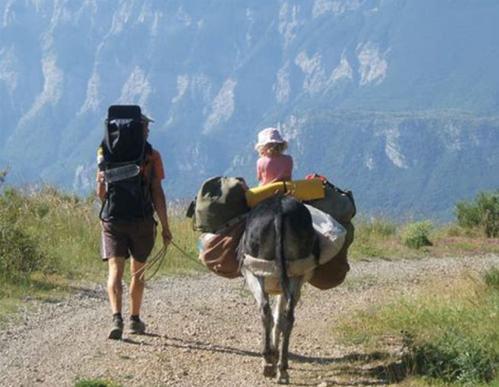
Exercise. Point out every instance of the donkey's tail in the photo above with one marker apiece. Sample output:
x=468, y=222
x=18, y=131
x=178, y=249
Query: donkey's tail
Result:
x=280, y=259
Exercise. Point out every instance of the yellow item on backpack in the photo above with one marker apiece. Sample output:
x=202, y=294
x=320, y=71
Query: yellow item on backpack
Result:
x=301, y=189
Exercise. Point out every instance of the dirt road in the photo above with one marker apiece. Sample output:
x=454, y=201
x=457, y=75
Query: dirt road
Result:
x=205, y=331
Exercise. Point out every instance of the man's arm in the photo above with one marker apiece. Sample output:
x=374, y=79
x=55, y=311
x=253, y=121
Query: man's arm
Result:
x=159, y=202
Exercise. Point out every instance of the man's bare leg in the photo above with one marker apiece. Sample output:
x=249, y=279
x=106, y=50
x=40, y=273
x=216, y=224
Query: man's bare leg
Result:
x=116, y=266
x=136, y=294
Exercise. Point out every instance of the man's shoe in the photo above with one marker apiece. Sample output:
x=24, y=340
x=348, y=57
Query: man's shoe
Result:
x=137, y=327
x=116, y=330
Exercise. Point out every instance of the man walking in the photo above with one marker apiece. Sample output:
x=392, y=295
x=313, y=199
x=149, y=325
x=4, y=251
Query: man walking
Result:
x=129, y=228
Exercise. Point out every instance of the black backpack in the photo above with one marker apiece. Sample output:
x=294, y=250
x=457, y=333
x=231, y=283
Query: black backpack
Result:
x=122, y=155
x=336, y=202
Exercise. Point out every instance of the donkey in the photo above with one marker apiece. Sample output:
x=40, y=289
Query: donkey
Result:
x=278, y=252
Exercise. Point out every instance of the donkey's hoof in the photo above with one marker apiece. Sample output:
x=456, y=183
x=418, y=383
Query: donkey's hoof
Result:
x=283, y=377
x=269, y=370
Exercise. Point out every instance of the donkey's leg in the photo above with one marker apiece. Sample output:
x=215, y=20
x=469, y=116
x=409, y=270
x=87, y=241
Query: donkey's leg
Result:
x=269, y=358
x=287, y=321
x=279, y=308
x=256, y=287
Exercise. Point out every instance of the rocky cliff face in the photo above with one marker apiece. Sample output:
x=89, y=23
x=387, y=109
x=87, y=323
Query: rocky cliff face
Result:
x=396, y=99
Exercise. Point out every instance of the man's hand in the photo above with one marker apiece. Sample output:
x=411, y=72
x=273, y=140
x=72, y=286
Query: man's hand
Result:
x=167, y=236
x=100, y=188
x=100, y=177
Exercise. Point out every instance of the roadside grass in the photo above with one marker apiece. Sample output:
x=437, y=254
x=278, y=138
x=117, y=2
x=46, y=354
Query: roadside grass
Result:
x=454, y=240
x=95, y=383
x=49, y=240
x=381, y=238
x=62, y=227
x=67, y=230
x=9, y=304
x=39, y=286
x=448, y=329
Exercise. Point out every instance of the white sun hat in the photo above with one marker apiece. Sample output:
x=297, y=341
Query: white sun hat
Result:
x=146, y=118
x=269, y=136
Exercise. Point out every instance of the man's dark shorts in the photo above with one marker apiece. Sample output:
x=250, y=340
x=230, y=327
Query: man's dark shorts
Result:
x=122, y=239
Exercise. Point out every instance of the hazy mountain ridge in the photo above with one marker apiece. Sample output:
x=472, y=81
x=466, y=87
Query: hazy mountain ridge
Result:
x=408, y=163
x=341, y=78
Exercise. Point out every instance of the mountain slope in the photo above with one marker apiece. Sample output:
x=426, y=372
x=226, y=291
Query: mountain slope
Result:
x=373, y=93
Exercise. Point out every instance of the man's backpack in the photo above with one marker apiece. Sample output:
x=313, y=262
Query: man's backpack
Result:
x=122, y=155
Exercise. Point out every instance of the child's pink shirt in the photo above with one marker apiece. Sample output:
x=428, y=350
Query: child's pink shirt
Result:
x=275, y=168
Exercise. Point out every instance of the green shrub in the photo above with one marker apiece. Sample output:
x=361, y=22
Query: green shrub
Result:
x=19, y=254
x=481, y=213
x=29, y=235
x=416, y=235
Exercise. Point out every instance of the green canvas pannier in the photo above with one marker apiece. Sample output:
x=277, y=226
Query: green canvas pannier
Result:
x=219, y=203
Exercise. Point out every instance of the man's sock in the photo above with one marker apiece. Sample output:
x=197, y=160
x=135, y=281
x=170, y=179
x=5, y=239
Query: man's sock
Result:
x=135, y=317
x=117, y=316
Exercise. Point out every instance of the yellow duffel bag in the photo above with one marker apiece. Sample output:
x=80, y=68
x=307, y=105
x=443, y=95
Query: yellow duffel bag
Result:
x=301, y=189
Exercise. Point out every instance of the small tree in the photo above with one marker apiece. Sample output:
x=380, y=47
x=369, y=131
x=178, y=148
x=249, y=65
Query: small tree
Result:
x=481, y=213
x=416, y=235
